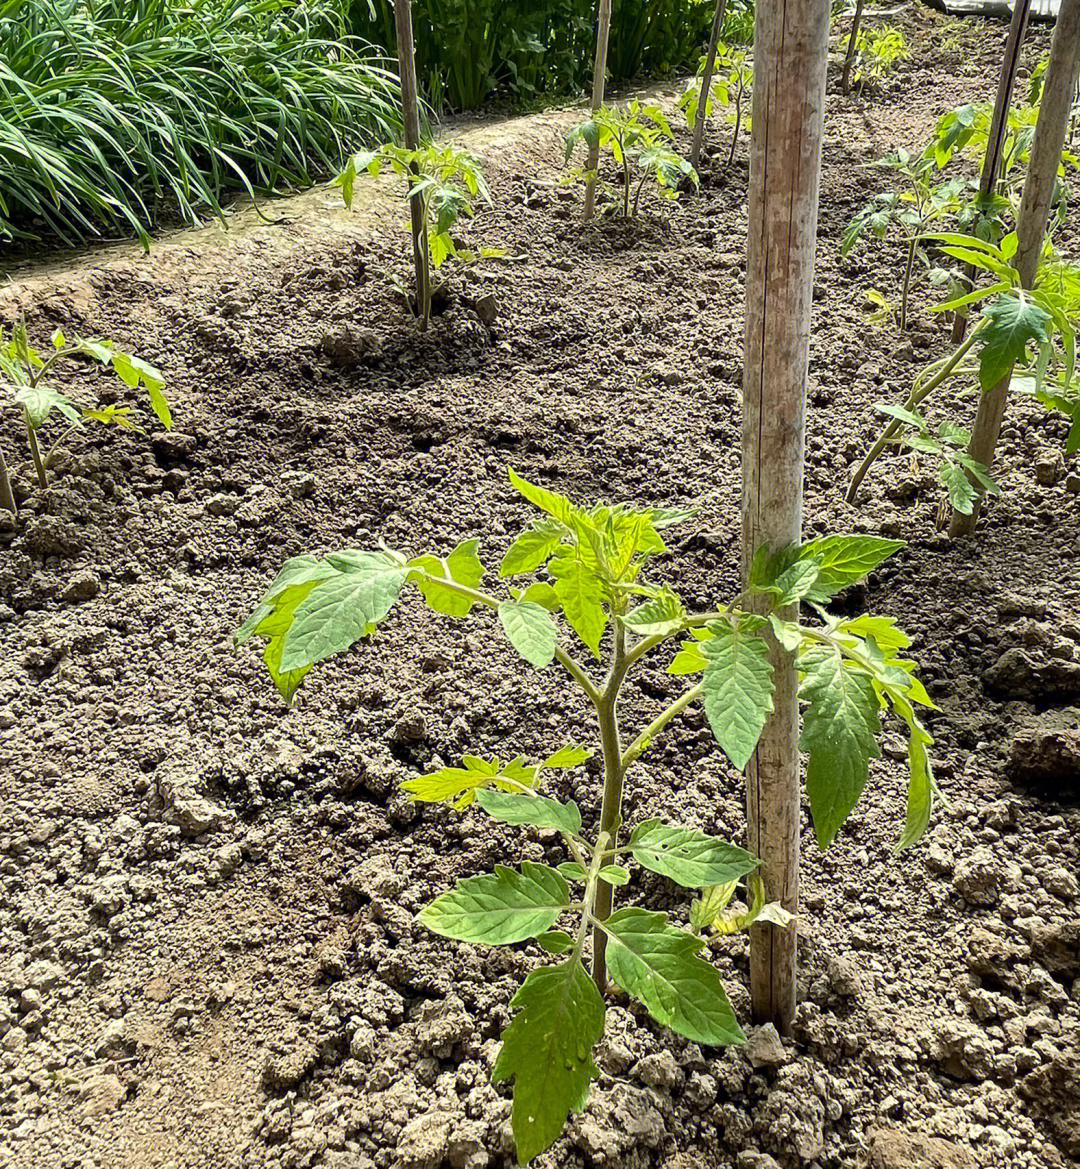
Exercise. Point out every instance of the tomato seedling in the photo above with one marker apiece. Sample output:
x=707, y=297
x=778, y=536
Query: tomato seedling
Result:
x=730, y=88
x=447, y=181
x=876, y=53
x=596, y=581
x=26, y=374
x=1029, y=331
x=638, y=138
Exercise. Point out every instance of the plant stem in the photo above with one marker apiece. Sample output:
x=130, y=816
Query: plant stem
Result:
x=913, y=399
x=912, y=244
x=7, y=496
x=738, y=123
x=641, y=743
x=611, y=805
x=35, y=453
x=410, y=110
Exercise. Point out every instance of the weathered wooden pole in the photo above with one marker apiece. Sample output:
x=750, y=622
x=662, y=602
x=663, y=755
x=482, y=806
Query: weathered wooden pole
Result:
x=791, y=56
x=849, y=56
x=603, y=29
x=998, y=124
x=410, y=111
x=706, y=82
x=1039, y=184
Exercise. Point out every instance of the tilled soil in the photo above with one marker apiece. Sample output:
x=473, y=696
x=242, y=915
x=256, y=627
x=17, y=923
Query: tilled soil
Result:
x=207, y=947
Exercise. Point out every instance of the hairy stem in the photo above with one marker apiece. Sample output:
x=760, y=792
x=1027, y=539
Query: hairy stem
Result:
x=35, y=454
x=849, y=56
x=907, y=282
x=611, y=805
x=641, y=744
x=913, y=399
x=706, y=83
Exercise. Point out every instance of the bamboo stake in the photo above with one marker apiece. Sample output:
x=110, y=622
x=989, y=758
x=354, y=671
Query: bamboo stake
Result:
x=603, y=29
x=998, y=125
x=1039, y=184
x=791, y=56
x=410, y=110
x=706, y=82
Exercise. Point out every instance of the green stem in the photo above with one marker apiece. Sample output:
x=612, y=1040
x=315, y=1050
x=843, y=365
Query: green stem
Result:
x=641, y=743
x=915, y=398
x=35, y=453
x=611, y=805
x=907, y=283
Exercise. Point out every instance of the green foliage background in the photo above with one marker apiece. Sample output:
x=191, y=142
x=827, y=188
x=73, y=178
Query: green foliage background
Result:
x=468, y=49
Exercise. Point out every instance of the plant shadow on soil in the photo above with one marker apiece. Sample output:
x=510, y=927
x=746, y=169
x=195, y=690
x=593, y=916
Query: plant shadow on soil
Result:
x=206, y=918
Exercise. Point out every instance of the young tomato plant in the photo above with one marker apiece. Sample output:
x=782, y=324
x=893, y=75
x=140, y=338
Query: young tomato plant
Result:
x=27, y=375
x=447, y=181
x=638, y=138
x=596, y=580
x=907, y=213
x=731, y=86
x=876, y=54
x=1029, y=331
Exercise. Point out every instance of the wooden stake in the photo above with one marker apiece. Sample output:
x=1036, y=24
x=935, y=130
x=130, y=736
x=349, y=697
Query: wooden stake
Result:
x=998, y=125
x=791, y=56
x=1039, y=184
x=706, y=82
x=603, y=29
x=410, y=110
x=849, y=56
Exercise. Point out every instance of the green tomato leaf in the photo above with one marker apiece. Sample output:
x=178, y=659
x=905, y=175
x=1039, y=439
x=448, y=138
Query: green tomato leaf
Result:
x=540, y=811
x=658, y=616
x=840, y=726
x=573, y=871
x=959, y=487
x=1014, y=321
x=738, y=688
x=39, y=401
x=572, y=755
x=459, y=785
x=532, y=548
x=658, y=964
x=531, y=631
x=499, y=908
x=615, y=875
x=558, y=1020
x=343, y=608
x=688, y=857
x=462, y=566
x=845, y=560
x=555, y=942
x=581, y=595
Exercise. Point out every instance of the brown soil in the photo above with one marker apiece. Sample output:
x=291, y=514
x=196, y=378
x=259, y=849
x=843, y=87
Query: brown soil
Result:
x=207, y=954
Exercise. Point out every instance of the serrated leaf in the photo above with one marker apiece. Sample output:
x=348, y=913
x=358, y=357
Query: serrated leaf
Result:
x=901, y=414
x=572, y=755
x=738, y=688
x=541, y=593
x=658, y=964
x=796, y=581
x=343, y=608
x=920, y=794
x=883, y=630
x=581, y=595
x=658, y=616
x=958, y=486
x=689, y=858
x=714, y=899
x=1014, y=322
x=614, y=874
x=845, y=560
x=557, y=506
x=559, y=1018
x=539, y=811
x=787, y=633
x=459, y=785
x=295, y=571
x=555, y=942
x=690, y=659
x=840, y=725
x=39, y=401
x=462, y=566
x=573, y=871
x=499, y=908
x=532, y=548
x=531, y=631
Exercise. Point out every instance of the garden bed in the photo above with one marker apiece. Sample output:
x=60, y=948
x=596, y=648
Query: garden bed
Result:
x=207, y=946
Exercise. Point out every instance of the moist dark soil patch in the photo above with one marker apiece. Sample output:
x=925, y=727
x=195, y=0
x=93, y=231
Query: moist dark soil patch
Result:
x=207, y=948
